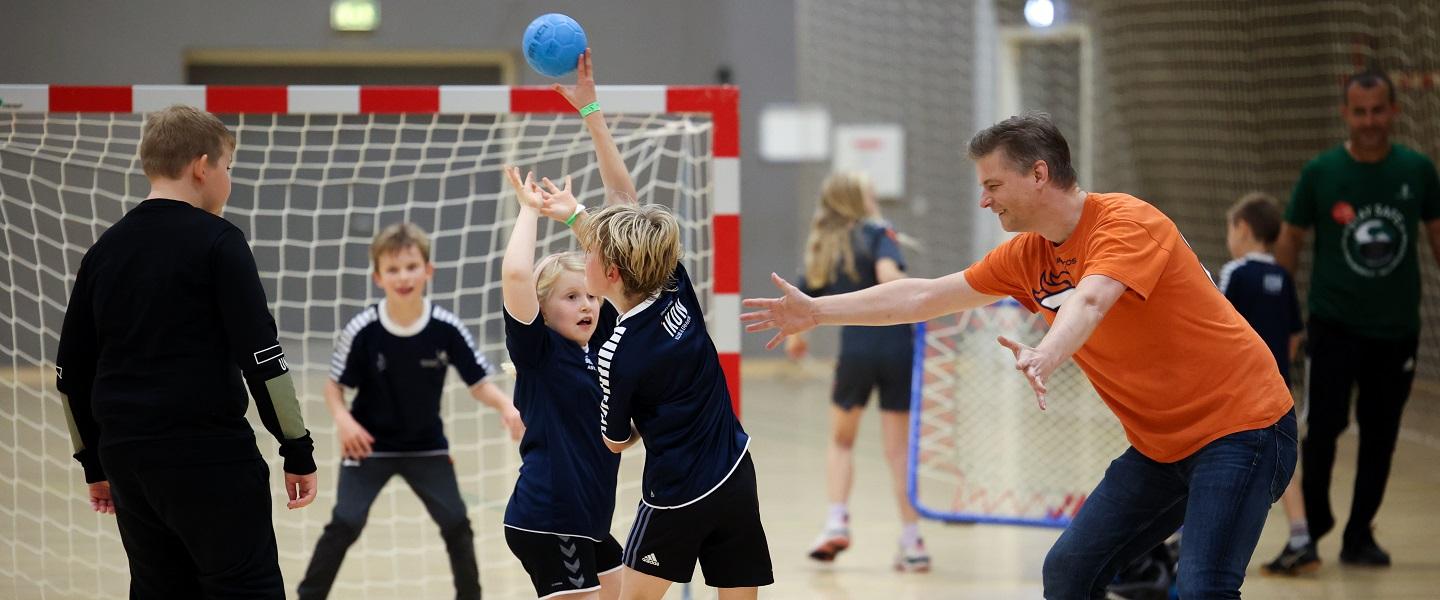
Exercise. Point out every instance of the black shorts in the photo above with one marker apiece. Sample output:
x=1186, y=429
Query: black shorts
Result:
x=721, y=530
x=856, y=376
x=560, y=564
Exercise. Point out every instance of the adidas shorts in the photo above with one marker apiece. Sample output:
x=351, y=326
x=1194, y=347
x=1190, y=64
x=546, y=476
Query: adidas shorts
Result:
x=560, y=565
x=722, y=531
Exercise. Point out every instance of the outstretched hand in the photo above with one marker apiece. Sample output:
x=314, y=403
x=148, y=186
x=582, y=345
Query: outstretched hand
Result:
x=556, y=202
x=583, y=92
x=525, y=191
x=793, y=312
x=1030, y=363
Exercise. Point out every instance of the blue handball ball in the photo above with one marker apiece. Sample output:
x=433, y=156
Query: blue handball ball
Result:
x=553, y=43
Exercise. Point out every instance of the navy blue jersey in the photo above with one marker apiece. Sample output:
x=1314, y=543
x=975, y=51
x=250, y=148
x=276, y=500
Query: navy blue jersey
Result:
x=1264, y=294
x=870, y=241
x=399, y=375
x=567, y=476
x=659, y=369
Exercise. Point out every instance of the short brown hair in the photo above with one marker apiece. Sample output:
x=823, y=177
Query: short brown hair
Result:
x=1026, y=139
x=396, y=238
x=1369, y=78
x=177, y=135
x=1261, y=213
x=643, y=242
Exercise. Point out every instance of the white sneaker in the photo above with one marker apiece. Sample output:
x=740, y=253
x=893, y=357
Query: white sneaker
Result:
x=831, y=542
x=913, y=558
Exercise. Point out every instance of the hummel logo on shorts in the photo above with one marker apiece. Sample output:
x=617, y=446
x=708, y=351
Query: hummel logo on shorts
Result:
x=650, y=560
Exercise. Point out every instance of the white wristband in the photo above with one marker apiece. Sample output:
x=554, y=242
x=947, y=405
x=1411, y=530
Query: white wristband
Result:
x=579, y=208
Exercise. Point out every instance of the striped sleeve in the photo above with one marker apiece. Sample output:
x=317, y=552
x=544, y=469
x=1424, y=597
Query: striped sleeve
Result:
x=464, y=353
x=344, y=363
x=1228, y=271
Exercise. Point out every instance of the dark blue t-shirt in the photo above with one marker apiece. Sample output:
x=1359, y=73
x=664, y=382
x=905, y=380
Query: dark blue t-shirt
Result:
x=567, y=476
x=870, y=241
x=1265, y=295
x=660, y=369
x=399, y=375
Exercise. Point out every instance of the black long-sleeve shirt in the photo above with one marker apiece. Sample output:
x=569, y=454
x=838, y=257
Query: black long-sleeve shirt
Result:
x=166, y=314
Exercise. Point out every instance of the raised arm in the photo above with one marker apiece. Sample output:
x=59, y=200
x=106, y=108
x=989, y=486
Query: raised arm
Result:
x=254, y=342
x=903, y=300
x=517, y=268
x=1287, y=247
x=619, y=187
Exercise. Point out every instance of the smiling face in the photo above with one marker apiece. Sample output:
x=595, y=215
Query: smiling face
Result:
x=1012, y=195
x=569, y=310
x=403, y=274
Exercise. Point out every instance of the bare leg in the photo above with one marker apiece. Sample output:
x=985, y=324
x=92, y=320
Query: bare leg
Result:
x=610, y=586
x=840, y=470
x=895, y=428
x=744, y=593
x=635, y=585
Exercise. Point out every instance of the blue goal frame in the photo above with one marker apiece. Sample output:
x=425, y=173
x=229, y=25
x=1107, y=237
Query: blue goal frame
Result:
x=912, y=475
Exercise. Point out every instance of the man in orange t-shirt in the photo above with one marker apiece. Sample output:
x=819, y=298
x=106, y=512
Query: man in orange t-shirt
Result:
x=1209, y=418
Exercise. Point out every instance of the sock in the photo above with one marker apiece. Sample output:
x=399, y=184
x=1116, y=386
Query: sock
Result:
x=910, y=534
x=839, y=516
x=1299, y=535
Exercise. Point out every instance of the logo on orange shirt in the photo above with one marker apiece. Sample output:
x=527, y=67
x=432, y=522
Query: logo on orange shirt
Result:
x=1055, y=286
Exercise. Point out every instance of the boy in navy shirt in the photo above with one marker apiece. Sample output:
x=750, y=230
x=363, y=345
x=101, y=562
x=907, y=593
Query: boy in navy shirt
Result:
x=1263, y=292
x=396, y=354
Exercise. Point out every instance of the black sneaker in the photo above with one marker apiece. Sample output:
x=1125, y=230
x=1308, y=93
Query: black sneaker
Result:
x=1294, y=561
x=1365, y=554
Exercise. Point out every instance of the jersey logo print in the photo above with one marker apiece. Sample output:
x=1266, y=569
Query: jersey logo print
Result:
x=441, y=360
x=269, y=354
x=606, y=353
x=676, y=319
x=650, y=560
x=1054, y=288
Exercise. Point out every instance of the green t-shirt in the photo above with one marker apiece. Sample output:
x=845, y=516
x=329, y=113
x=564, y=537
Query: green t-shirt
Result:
x=1366, y=218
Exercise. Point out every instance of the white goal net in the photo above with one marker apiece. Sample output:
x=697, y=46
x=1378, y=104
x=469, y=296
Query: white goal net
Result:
x=310, y=190
x=981, y=450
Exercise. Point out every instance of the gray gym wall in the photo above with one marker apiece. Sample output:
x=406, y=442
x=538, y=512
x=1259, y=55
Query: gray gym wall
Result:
x=636, y=42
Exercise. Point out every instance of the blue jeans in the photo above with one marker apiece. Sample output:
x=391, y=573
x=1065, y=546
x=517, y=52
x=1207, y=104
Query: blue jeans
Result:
x=1221, y=493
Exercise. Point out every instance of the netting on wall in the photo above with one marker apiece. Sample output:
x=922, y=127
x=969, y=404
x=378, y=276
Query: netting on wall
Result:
x=310, y=191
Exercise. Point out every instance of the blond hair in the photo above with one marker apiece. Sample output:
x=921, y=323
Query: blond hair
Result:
x=175, y=136
x=396, y=238
x=643, y=242
x=842, y=205
x=548, y=272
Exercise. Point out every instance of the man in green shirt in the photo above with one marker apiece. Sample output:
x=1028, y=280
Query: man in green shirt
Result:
x=1365, y=200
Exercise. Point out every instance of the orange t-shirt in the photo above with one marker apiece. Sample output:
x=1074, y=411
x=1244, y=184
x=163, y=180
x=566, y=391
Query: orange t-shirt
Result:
x=1172, y=358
